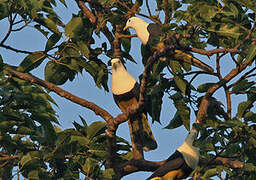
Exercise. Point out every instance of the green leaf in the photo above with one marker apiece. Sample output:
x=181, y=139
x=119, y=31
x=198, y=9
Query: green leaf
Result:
x=204, y=87
x=82, y=141
x=57, y=74
x=83, y=121
x=4, y=10
x=251, y=96
x=38, y=27
x=249, y=167
x=95, y=129
x=242, y=107
x=73, y=26
x=253, y=142
x=175, y=122
x=226, y=30
x=175, y=66
x=181, y=83
x=33, y=174
x=242, y=85
x=210, y=173
x=184, y=112
x=31, y=62
x=98, y=150
x=108, y=173
x=64, y=3
x=126, y=42
x=53, y=39
x=1, y=63
x=25, y=130
x=251, y=53
x=250, y=116
x=48, y=23
x=156, y=103
x=249, y=4
x=83, y=48
x=25, y=160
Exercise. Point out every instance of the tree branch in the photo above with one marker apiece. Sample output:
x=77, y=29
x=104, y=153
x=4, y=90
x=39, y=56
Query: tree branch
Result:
x=144, y=165
x=242, y=78
x=214, y=51
x=16, y=50
x=204, y=103
x=228, y=162
x=148, y=8
x=52, y=87
x=87, y=13
x=133, y=11
x=228, y=98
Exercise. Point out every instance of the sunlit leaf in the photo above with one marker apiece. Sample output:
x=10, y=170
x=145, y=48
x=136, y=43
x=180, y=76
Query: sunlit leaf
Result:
x=95, y=129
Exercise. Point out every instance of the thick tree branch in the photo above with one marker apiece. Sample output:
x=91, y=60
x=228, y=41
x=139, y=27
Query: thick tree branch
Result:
x=166, y=11
x=136, y=165
x=52, y=87
x=228, y=162
x=214, y=51
x=87, y=13
x=144, y=165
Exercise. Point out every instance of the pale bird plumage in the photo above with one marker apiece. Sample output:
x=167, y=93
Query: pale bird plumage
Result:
x=148, y=31
x=125, y=91
x=122, y=81
x=190, y=152
x=140, y=26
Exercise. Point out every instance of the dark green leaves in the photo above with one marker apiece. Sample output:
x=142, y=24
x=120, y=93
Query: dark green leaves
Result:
x=242, y=85
x=182, y=114
x=251, y=53
x=31, y=62
x=204, y=87
x=175, y=122
x=57, y=73
x=53, y=39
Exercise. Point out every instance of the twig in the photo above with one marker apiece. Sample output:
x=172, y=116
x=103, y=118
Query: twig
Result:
x=16, y=50
x=228, y=98
x=199, y=72
x=218, y=65
x=127, y=36
x=133, y=10
x=243, y=92
x=148, y=8
x=20, y=28
x=5, y=158
x=9, y=30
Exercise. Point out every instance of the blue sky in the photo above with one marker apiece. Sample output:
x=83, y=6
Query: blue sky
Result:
x=84, y=86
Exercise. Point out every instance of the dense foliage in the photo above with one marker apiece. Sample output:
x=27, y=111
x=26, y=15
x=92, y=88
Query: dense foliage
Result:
x=31, y=144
